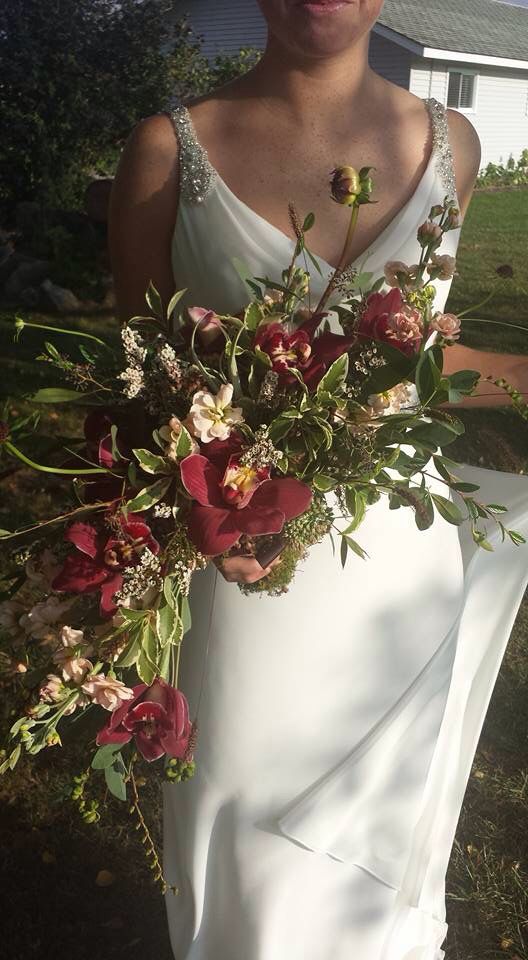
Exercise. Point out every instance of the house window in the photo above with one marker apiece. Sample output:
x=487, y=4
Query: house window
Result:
x=461, y=93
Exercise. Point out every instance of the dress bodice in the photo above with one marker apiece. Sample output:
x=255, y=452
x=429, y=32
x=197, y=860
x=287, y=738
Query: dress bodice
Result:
x=219, y=240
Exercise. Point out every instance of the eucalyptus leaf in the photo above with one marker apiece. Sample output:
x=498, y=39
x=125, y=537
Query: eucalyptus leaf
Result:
x=154, y=300
x=447, y=509
x=105, y=756
x=58, y=395
x=115, y=778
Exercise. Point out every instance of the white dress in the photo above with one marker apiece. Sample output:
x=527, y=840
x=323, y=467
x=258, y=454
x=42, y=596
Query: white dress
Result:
x=338, y=723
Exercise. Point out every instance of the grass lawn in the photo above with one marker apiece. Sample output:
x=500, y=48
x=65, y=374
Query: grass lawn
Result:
x=52, y=905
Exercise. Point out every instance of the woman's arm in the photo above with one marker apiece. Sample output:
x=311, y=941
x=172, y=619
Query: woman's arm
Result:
x=511, y=366
x=142, y=214
x=514, y=368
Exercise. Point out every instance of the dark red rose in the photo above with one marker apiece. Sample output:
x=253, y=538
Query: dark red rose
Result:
x=389, y=319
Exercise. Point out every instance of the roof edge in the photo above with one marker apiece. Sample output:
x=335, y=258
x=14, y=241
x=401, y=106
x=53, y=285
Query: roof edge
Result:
x=438, y=53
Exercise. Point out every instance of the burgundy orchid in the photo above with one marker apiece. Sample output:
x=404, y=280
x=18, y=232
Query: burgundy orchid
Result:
x=99, y=560
x=99, y=447
x=302, y=350
x=157, y=718
x=389, y=319
x=231, y=499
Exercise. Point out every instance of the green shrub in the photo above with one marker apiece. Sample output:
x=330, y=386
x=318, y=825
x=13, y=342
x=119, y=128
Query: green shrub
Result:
x=513, y=173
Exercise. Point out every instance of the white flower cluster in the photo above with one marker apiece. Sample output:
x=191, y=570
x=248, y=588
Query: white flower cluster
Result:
x=163, y=511
x=262, y=452
x=135, y=353
x=138, y=580
x=168, y=362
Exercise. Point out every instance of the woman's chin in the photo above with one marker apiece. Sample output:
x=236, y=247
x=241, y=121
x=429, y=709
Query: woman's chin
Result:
x=320, y=28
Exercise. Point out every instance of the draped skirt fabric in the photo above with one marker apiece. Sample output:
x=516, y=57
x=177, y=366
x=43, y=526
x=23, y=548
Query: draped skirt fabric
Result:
x=337, y=727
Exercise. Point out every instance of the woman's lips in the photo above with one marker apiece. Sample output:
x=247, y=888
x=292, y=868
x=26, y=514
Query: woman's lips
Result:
x=323, y=6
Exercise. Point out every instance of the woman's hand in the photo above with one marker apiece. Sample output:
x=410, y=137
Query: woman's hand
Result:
x=243, y=569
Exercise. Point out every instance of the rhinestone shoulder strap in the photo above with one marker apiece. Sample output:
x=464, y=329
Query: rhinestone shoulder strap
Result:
x=197, y=176
x=442, y=148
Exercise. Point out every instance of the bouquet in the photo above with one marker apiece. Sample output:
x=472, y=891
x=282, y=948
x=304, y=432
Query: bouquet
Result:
x=206, y=435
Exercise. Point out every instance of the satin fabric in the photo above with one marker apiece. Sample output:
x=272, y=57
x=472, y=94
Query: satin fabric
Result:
x=337, y=723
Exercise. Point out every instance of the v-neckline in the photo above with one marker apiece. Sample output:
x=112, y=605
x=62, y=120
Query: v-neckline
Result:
x=399, y=220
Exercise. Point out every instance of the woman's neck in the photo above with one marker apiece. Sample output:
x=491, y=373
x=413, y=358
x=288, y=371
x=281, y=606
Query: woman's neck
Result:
x=312, y=90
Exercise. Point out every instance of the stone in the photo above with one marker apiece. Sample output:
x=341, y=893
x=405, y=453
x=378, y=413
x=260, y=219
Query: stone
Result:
x=60, y=298
x=26, y=274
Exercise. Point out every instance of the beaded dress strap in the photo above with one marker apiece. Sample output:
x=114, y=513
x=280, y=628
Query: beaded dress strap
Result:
x=442, y=148
x=197, y=176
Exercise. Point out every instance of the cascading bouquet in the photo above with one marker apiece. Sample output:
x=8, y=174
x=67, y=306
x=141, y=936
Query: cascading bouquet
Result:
x=206, y=435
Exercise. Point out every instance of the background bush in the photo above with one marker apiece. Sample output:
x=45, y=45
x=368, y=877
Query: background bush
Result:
x=75, y=76
x=513, y=174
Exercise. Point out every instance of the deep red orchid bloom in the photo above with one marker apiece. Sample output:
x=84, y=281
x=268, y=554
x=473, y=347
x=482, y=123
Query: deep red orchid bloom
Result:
x=231, y=499
x=99, y=446
x=302, y=350
x=100, y=560
x=157, y=718
x=390, y=319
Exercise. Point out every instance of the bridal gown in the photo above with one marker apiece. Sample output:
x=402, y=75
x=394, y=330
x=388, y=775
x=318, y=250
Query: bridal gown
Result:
x=337, y=723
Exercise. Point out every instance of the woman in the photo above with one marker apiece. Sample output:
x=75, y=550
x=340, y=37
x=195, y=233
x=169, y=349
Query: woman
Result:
x=337, y=723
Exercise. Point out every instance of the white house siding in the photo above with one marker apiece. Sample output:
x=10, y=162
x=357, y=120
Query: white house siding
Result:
x=224, y=26
x=390, y=60
x=501, y=110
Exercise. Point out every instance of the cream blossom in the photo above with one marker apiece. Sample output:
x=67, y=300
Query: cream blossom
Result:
x=52, y=689
x=107, y=692
x=169, y=433
x=447, y=324
x=213, y=417
x=399, y=274
x=442, y=266
x=70, y=637
x=75, y=669
x=391, y=401
x=44, y=616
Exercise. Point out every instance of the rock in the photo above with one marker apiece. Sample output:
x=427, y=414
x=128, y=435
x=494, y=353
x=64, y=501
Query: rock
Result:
x=63, y=300
x=29, y=298
x=26, y=274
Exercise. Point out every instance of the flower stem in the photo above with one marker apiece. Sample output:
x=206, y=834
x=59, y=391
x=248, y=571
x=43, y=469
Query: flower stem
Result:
x=20, y=324
x=343, y=260
x=15, y=452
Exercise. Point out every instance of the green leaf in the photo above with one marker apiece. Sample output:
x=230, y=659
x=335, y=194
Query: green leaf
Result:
x=497, y=508
x=344, y=551
x=106, y=756
x=462, y=487
x=58, y=395
x=184, y=443
x=252, y=316
x=314, y=262
x=427, y=377
x=335, y=376
x=309, y=221
x=515, y=537
x=174, y=301
x=154, y=300
x=462, y=383
x=115, y=778
x=128, y=657
x=279, y=428
x=323, y=483
x=169, y=626
x=356, y=548
x=447, y=509
x=356, y=506
x=186, y=614
x=151, y=462
x=147, y=497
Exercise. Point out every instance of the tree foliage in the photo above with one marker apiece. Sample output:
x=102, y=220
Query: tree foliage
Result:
x=75, y=76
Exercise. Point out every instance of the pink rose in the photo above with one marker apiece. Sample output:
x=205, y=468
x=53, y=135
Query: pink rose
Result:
x=441, y=267
x=447, y=324
x=157, y=718
x=429, y=233
x=389, y=319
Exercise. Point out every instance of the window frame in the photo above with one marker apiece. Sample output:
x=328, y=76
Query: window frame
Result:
x=464, y=71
